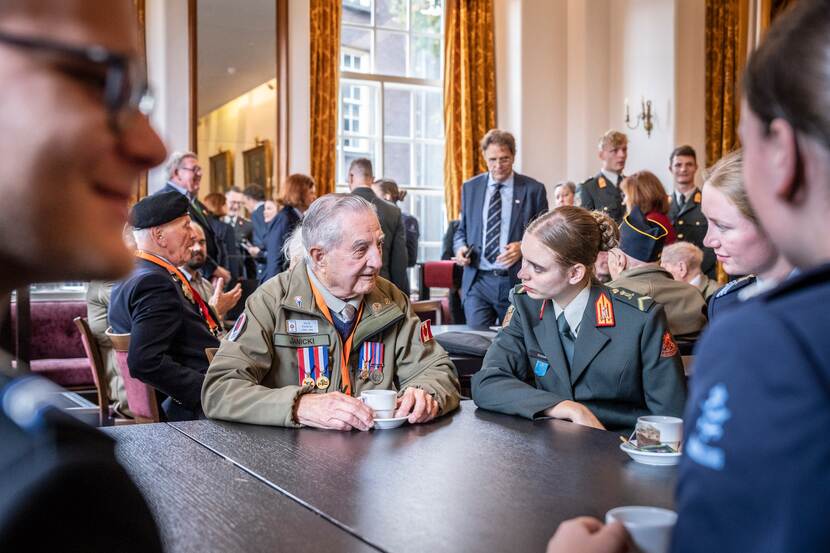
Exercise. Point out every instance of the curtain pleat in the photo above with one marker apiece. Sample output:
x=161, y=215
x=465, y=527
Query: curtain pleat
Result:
x=324, y=80
x=469, y=93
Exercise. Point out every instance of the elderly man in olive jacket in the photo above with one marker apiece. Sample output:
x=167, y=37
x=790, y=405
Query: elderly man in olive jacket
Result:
x=316, y=336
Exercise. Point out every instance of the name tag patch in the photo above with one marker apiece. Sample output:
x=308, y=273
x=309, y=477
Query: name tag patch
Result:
x=291, y=341
x=301, y=326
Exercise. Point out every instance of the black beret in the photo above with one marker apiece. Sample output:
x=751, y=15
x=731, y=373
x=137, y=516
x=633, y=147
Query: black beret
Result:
x=158, y=209
x=642, y=238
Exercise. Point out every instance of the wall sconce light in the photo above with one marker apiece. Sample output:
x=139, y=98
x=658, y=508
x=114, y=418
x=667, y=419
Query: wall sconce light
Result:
x=644, y=116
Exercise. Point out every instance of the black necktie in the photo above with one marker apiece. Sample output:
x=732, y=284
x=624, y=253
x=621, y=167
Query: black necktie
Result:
x=566, y=337
x=491, y=237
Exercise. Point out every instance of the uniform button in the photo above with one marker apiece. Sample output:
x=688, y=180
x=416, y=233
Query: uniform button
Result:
x=697, y=223
x=680, y=235
x=680, y=222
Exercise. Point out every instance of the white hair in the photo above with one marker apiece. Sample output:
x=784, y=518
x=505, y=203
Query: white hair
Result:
x=322, y=225
x=683, y=251
x=175, y=162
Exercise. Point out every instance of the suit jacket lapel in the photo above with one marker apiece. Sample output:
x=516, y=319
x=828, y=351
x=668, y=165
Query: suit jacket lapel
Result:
x=590, y=340
x=547, y=336
x=519, y=192
x=475, y=236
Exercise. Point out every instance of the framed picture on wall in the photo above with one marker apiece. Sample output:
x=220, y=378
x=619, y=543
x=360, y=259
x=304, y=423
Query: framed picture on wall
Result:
x=221, y=171
x=259, y=165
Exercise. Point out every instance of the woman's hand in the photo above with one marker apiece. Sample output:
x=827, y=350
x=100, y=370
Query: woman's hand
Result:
x=574, y=412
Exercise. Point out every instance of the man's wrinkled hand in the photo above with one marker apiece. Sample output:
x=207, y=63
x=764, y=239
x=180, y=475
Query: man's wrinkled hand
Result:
x=417, y=405
x=334, y=411
x=223, y=302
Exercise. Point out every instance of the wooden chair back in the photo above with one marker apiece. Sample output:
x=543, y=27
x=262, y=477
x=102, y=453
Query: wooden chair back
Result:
x=140, y=396
x=99, y=371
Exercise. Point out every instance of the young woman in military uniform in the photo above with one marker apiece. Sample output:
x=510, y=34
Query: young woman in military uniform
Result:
x=575, y=349
x=740, y=243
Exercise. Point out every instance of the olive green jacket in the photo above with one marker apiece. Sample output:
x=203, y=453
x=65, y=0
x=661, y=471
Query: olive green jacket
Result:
x=254, y=376
x=97, y=303
x=684, y=304
x=707, y=286
x=620, y=372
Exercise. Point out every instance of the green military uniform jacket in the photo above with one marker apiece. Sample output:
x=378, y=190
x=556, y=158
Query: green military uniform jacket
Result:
x=598, y=194
x=691, y=226
x=97, y=302
x=707, y=286
x=254, y=376
x=620, y=372
x=684, y=304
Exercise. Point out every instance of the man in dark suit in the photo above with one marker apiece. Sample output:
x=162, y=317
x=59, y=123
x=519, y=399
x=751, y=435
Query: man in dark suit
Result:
x=185, y=177
x=602, y=192
x=684, y=206
x=254, y=196
x=395, y=257
x=169, y=323
x=84, y=145
x=242, y=231
x=495, y=209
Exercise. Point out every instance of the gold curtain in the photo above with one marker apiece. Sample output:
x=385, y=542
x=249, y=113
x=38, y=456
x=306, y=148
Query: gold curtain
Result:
x=469, y=93
x=725, y=56
x=323, y=90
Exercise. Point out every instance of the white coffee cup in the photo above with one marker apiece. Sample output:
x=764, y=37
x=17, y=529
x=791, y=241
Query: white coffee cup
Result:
x=650, y=528
x=382, y=402
x=659, y=430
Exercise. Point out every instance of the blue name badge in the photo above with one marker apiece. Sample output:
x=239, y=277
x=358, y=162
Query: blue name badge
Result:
x=541, y=368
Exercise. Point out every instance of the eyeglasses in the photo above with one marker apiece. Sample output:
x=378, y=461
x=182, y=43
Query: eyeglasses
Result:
x=122, y=81
x=196, y=169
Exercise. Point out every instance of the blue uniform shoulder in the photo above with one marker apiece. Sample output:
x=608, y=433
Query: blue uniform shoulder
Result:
x=734, y=286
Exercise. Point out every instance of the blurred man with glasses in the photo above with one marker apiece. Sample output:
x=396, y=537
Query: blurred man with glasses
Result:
x=74, y=131
x=185, y=177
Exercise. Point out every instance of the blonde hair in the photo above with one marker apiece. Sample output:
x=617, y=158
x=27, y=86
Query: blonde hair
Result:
x=727, y=176
x=576, y=235
x=612, y=138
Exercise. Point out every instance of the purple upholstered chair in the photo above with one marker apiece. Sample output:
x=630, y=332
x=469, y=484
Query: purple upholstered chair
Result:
x=56, y=349
x=140, y=397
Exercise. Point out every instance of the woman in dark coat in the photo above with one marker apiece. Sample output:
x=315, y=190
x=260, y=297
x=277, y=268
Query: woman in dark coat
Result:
x=298, y=191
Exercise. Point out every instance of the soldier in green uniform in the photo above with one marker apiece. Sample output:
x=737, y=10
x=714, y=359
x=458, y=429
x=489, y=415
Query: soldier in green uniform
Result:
x=602, y=192
x=575, y=349
x=685, y=211
x=316, y=336
x=634, y=265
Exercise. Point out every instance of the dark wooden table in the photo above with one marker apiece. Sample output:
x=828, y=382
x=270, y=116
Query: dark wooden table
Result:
x=204, y=503
x=473, y=481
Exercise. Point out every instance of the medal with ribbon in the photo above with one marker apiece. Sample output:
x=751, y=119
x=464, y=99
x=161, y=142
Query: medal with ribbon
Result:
x=371, y=362
x=313, y=366
x=189, y=292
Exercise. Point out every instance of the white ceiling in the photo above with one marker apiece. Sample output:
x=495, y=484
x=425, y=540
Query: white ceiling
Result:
x=236, y=49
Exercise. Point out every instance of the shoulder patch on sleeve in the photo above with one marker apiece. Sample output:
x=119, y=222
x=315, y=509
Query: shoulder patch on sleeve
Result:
x=643, y=303
x=734, y=285
x=238, y=327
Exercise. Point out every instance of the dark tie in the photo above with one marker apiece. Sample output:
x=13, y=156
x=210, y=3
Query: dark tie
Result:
x=491, y=238
x=566, y=337
x=681, y=201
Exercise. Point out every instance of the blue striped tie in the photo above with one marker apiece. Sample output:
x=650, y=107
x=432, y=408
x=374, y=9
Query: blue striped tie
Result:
x=491, y=238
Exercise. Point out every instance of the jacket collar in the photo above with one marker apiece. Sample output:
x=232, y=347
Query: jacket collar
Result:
x=649, y=269
x=379, y=308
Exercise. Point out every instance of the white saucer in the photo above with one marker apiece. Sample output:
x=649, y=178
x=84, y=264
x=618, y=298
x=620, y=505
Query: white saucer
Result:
x=651, y=457
x=386, y=424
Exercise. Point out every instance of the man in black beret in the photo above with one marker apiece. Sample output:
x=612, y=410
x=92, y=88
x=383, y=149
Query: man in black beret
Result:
x=634, y=265
x=169, y=323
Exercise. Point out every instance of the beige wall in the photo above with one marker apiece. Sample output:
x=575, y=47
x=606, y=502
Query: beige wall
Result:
x=167, y=71
x=565, y=67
